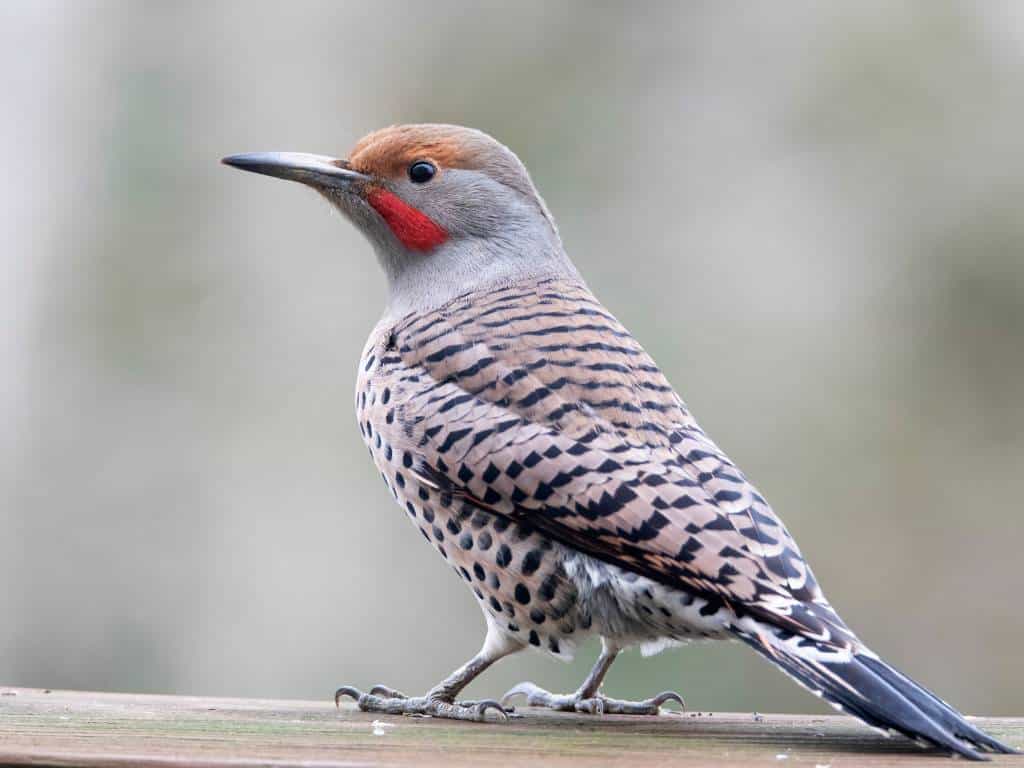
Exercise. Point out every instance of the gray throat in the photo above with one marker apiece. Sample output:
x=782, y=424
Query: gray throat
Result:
x=418, y=283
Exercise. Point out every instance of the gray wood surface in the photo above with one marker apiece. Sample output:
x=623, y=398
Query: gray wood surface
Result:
x=70, y=728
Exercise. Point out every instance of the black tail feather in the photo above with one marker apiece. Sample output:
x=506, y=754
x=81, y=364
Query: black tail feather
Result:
x=936, y=708
x=868, y=688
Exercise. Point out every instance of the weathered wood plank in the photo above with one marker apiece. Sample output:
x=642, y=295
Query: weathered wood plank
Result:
x=67, y=728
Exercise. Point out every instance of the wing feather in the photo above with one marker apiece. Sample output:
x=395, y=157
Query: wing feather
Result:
x=539, y=405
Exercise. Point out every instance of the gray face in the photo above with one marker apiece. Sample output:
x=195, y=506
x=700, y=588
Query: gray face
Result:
x=466, y=204
x=471, y=204
x=496, y=228
x=495, y=232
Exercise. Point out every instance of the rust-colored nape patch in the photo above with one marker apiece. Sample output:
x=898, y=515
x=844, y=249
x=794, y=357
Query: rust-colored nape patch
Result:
x=389, y=152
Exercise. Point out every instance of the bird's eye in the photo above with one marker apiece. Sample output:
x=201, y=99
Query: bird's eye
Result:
x=421, y=172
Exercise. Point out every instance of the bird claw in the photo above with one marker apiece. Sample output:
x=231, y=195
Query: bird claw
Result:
x=481, y=707
x=598, y=704
x=527, y=689
x=384, y=699
x=387, y=692
x=666, y=696
x=347, y=690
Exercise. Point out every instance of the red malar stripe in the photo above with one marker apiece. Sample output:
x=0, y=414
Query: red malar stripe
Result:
x=416, y=230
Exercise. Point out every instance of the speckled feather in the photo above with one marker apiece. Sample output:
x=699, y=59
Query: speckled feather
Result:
x=532, y=407
x=537, y=446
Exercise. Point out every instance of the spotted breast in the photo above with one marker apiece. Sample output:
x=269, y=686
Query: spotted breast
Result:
x=541, y=451
x=456, y=405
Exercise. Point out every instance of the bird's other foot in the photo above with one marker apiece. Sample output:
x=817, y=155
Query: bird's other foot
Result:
x=383, y=699
x=598, y=704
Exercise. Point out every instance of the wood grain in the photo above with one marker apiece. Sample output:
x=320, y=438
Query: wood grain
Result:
x=69, y=728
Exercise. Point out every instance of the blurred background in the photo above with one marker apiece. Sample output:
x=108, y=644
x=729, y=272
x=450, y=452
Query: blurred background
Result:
x=809, y=214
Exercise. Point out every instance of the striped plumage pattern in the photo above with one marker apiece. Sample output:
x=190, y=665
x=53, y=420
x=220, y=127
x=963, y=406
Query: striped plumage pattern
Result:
x=542, y=452
x=535, y=444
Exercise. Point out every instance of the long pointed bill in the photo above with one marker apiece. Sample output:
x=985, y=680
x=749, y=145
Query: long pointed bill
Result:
x=314, y=170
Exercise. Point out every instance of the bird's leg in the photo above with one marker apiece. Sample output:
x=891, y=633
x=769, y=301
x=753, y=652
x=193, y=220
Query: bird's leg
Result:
x=588, y=698
x=439, y=701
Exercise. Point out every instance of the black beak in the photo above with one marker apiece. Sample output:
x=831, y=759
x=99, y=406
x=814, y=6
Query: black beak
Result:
x=314, y=170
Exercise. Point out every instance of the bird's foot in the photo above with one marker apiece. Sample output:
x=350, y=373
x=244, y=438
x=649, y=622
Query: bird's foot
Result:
x=381, y=698
x=597, y=704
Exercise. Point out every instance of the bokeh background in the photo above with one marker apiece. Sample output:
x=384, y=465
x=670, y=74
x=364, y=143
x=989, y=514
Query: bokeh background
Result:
x=810, y=214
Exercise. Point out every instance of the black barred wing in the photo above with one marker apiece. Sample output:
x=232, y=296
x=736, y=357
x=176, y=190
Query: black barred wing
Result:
x=539, y=405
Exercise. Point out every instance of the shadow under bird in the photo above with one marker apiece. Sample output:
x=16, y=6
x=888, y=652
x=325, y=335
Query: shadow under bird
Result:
x=535, y=444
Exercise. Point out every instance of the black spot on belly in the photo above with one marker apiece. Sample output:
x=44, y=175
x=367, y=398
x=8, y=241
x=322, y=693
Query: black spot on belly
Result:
x=483, y=541
x=522, y=594
x=504, y=556
x=553, y=645
x=494, y=603
x=466, y=541
x=547, y=587
x=537, y=616
x=534, y=639
x=531, y=561
x=478, y=571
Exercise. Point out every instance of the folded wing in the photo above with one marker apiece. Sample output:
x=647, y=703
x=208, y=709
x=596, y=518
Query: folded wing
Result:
x=541, y=406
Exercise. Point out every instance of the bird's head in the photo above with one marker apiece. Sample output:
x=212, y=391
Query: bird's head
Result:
x=448, y=209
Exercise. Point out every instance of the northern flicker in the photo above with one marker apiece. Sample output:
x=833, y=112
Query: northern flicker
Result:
x=543, y=454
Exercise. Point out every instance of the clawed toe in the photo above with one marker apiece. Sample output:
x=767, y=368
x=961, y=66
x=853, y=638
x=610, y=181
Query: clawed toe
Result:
x=538, y=697
x=384, y=699
x=386, y=692
x=481, y=707
x=666, y=696
x=347, y=690
x=529, y=690
x=598, y=704
x=649, y=706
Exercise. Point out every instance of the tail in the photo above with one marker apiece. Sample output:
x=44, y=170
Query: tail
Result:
x=861, y=684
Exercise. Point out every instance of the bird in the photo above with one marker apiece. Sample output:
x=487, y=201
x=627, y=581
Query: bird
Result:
x=541, y=451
